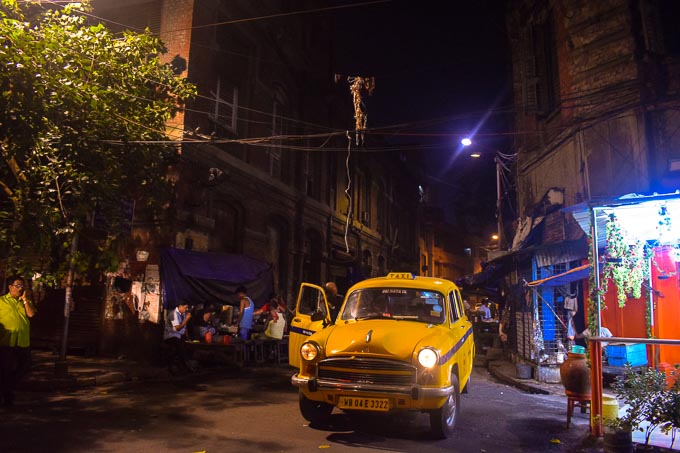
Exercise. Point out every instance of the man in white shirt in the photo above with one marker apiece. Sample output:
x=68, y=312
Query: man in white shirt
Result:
x=174, y=335
x=604, y=332
x=484, y=310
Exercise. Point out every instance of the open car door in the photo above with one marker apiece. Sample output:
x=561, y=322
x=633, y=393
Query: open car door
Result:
x=311, y=315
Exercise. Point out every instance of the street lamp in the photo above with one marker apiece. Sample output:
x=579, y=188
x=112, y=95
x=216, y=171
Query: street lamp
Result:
x=499, y=193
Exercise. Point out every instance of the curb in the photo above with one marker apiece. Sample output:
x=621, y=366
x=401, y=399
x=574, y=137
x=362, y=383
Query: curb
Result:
x=495, y=370
x=52, y=383
x=46, y=383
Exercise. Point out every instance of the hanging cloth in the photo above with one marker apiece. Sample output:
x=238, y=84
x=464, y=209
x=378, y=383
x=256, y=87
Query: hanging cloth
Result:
x=571, y=304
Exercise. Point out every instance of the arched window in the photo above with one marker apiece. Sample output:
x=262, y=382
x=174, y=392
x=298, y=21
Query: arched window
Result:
x=277, y=252
x=227, y=235
x=311, y=266
x=367, y=263
x=279, y=127
x=381, y=207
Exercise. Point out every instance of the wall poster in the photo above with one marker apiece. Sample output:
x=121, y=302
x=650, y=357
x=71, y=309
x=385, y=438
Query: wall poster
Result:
x=151, y=295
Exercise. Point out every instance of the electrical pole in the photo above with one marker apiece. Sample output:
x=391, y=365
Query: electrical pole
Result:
x=499, y=204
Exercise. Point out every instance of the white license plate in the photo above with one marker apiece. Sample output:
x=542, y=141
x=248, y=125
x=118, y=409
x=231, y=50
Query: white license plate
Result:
x=364, y=404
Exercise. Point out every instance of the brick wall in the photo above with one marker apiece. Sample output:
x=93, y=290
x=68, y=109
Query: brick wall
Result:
x=176, y=22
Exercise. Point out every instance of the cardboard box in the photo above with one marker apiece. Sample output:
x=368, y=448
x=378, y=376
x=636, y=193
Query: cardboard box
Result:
x=620, y=354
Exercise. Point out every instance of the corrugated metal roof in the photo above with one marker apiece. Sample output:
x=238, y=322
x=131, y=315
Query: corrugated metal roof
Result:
x=582, y=215
x=562, y=252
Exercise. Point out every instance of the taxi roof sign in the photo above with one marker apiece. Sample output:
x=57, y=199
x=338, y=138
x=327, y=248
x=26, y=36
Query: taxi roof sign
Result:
x=401, y=275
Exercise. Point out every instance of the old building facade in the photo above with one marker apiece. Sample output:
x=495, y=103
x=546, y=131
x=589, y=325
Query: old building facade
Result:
x=597, y=111
x=596, y=88
x=267, y=168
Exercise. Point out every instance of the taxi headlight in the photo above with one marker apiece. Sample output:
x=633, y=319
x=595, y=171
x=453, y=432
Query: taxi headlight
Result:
x=309, y=351
x=427, y=358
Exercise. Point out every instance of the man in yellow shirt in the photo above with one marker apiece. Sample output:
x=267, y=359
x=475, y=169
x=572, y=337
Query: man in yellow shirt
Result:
x=15, y=337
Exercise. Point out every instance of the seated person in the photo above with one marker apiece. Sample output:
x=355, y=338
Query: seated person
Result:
x=262, y=313
x=206, y=330
x=484, y=310
x=604, y=332
x=276, y=325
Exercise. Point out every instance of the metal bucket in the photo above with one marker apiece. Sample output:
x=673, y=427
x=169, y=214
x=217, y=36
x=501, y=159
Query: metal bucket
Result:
x=523, y=371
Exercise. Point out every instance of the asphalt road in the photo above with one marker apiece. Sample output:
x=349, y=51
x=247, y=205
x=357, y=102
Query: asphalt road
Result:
x=257, y=410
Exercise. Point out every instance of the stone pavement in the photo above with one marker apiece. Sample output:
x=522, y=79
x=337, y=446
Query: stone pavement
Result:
x=90, y=371
x=85, y=371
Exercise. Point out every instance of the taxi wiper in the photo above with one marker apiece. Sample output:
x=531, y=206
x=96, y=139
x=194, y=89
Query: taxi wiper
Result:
x=381, y=316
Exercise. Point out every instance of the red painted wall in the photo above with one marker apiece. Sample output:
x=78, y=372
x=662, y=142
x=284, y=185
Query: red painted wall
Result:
x=630, y=321
x=667, y=308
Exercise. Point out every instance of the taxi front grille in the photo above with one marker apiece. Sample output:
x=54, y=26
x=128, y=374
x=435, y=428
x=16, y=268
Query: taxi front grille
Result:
x=367, y=371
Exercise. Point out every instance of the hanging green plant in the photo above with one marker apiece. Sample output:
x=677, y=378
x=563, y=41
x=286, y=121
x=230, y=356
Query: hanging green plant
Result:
x=625, y=263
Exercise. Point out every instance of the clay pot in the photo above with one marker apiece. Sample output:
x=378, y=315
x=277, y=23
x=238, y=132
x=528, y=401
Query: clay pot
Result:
x=618, y=442
x=575, y=375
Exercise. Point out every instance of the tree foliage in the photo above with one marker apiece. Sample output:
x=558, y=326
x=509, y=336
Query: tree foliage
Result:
x=72, y=95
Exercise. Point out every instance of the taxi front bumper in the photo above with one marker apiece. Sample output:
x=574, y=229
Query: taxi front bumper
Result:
x=415, y=391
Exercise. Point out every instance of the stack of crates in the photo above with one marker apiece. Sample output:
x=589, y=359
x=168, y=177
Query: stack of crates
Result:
x=620, y=354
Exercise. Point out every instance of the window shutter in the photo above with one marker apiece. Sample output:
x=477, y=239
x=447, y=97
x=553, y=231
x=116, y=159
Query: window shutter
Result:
x=225, y=107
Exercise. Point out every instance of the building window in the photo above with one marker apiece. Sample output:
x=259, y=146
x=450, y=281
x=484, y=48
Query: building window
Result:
x=275, y=150
x=546, y=66
x=669, y=11
x=277, y=252
x=225, y=106
x=381, y=208
x=365, y=205
x=311, y=172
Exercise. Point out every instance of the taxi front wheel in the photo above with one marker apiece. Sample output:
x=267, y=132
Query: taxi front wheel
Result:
x=443, y=420
x=315, y=412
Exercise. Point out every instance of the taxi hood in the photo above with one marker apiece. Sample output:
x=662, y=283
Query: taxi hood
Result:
x=389, y=338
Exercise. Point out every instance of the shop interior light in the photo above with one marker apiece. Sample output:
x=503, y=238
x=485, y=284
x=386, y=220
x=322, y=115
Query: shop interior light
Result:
x=636, y=226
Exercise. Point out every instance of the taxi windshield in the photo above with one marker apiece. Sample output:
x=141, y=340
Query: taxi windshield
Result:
x=395, y=303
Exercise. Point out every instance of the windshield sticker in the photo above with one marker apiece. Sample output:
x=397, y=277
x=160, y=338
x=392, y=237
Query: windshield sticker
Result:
x=394, y=291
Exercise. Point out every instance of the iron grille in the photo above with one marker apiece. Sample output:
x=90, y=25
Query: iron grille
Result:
x=367, y=371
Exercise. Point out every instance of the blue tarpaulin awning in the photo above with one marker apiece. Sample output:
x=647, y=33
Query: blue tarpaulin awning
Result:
x=212, y=278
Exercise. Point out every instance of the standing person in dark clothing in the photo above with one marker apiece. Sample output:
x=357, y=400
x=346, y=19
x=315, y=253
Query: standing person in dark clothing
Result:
x=334, y=299
x=15, y=337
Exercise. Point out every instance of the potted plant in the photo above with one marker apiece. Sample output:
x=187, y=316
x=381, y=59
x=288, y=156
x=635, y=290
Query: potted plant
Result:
x=670, y=412
x=646, y=395
x=618, y=433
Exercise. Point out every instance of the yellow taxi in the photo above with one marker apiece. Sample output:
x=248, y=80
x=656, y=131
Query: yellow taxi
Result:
x=399, y=342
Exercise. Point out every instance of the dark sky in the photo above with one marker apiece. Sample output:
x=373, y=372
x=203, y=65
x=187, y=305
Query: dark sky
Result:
x=442, y=64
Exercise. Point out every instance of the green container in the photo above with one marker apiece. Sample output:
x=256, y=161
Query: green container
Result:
x=576, y=349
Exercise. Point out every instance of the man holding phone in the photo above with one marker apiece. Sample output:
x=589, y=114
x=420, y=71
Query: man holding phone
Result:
x=15, y=337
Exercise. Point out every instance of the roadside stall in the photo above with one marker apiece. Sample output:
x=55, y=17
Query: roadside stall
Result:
x=636, y=289
x=634, y=283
